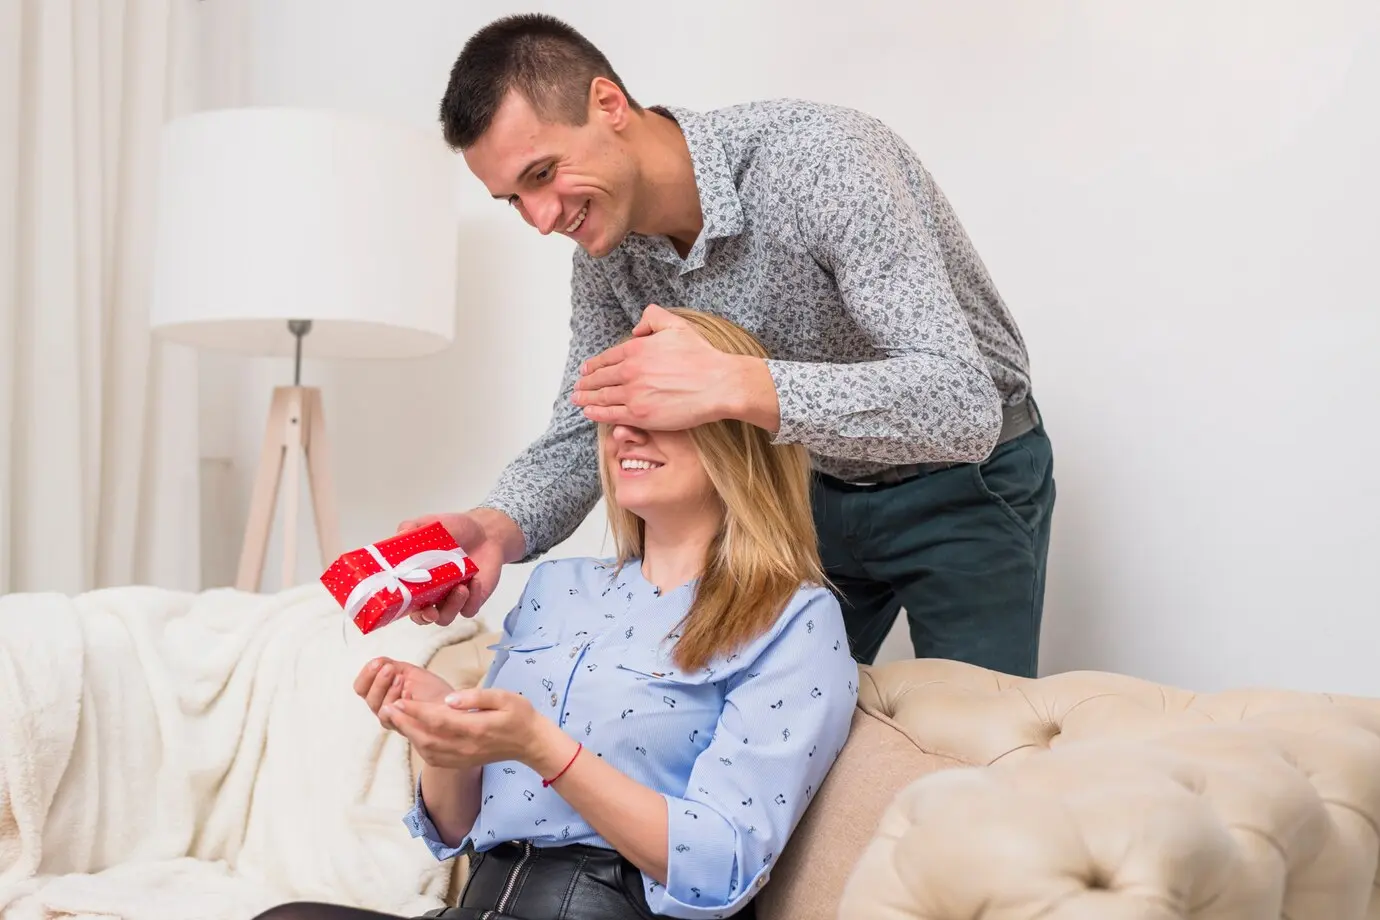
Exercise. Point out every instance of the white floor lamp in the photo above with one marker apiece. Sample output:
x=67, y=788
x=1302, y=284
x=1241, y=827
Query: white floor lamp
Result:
x=283, y=229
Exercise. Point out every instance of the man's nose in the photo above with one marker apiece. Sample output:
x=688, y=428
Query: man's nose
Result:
x=545, y=213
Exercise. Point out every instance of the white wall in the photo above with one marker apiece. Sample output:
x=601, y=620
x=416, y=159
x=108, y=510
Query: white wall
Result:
x=1178, y=200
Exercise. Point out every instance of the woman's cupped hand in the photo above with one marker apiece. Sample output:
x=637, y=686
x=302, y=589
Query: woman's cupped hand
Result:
x=451, y=728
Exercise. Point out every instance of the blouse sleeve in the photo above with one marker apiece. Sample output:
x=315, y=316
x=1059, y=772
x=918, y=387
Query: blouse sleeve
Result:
x=785, y=719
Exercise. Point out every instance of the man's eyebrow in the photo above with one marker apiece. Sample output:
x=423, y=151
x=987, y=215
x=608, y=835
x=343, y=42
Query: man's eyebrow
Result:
x=522, y=175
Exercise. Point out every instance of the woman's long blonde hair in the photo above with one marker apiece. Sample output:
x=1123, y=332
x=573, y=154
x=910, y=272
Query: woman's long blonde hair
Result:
x=767, y=547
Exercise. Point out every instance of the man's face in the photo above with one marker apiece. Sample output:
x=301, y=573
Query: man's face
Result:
x=573, y=180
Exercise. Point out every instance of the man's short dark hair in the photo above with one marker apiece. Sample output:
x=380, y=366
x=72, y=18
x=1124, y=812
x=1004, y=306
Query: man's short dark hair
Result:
x=550, y=63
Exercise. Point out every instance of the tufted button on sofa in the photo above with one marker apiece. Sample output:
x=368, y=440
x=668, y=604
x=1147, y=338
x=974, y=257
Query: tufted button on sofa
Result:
x=964, y=794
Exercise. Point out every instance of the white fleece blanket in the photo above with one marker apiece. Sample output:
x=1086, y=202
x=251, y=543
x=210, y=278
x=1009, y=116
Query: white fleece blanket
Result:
x=169, y=756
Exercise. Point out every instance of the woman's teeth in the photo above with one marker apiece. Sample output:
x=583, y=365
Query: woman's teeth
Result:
x=639, y=465
x=579, y=219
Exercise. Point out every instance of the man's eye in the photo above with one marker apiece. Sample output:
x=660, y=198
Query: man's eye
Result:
x=543, y=175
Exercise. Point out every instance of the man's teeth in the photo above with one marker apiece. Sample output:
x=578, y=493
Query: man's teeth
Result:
x=579, y=219
x=640, y=465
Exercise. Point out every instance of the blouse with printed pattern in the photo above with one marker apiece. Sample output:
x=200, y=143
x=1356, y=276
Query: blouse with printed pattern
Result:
x=737, y=748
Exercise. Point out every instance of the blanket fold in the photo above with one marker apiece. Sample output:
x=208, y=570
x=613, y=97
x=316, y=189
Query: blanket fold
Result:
x=174, y=755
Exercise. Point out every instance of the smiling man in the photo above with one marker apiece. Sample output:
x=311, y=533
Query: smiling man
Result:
x=894, y=359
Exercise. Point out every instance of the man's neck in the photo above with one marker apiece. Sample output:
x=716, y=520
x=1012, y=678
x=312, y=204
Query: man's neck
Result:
x=668, y=201
x=673, y=552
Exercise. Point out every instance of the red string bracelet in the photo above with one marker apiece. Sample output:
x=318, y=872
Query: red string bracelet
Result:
x=547, y=782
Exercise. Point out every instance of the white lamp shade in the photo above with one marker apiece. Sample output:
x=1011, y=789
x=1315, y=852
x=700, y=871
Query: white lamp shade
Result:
x=271, y=214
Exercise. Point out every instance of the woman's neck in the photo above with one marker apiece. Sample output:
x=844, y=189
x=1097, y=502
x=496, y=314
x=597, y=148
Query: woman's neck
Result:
x=673, y=552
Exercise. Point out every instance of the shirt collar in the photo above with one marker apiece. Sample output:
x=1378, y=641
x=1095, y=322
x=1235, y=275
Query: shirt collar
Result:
x=720, y=205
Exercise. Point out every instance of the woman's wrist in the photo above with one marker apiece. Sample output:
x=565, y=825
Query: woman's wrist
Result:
x=445, y=773
x=549, y=750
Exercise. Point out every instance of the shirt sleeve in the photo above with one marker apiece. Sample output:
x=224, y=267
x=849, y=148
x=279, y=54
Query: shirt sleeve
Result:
x=419, y=824
x=872, y=217
x=550, y=487
x=785, y=719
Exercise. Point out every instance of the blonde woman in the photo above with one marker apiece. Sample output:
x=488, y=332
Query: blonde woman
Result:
x=655, y=724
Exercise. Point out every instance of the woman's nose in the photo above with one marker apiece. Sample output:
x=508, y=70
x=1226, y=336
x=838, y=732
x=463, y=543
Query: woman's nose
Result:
x=627, y=434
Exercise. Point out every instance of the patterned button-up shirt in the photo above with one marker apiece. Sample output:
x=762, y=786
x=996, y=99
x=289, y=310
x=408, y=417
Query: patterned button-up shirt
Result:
x=737, y=749
x=825, y=237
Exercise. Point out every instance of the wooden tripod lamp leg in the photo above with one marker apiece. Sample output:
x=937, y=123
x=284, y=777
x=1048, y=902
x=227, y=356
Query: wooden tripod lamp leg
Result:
x=321, y=478
x=294, y=439
x=296, y=432
x=265, y=495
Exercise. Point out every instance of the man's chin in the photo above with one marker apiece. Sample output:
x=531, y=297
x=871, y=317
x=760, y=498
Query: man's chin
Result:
x=600, y=246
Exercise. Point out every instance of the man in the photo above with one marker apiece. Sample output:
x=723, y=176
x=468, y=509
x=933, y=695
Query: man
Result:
x=894, y=360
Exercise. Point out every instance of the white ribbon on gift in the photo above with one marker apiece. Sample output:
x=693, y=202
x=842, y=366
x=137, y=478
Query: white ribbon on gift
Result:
x=415, y=569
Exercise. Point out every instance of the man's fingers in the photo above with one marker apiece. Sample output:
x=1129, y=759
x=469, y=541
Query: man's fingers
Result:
x=608, y=356
x=424, y=616
x=656, y=318
x=473, y=602
x=611, y=375
x=607, y=396
x=453, y=605
x=610, y=415
x=414, y=523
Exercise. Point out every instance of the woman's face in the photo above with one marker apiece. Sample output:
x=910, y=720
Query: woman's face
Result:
x=657, y=473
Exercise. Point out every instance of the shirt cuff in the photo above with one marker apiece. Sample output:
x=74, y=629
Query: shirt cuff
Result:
x=497, y=500
x=703, y=878
x=419, y=824
x=793, y=409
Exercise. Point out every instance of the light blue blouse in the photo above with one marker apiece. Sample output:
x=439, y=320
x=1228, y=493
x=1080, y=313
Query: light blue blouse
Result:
x=737, y=748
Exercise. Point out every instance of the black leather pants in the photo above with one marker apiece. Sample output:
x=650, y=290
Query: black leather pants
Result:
x=517, y=881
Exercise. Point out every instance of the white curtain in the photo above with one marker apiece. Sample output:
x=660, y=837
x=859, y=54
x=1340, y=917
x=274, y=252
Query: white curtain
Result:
x=98, y=421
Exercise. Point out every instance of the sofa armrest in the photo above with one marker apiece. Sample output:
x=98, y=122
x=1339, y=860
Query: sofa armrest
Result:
x=1103, y=796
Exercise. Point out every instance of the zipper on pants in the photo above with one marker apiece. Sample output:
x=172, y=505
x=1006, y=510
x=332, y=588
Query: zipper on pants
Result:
x=510, y=883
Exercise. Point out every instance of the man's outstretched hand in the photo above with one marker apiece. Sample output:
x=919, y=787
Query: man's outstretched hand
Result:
x=488, y=537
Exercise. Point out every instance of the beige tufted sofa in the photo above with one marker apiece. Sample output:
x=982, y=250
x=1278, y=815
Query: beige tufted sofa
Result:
x=964, y=794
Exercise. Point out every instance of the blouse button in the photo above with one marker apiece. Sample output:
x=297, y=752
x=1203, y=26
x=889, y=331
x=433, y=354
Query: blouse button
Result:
x=553, y=699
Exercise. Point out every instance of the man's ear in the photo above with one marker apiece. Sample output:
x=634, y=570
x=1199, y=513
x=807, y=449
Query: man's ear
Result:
x=608, y=103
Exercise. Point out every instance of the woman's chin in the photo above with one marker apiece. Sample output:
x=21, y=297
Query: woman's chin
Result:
x=640, y=505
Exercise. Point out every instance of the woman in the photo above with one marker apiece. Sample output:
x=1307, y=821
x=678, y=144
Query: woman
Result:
x=654, y=725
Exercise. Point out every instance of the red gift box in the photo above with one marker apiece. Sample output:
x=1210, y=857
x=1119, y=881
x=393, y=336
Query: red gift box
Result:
x=384, y=581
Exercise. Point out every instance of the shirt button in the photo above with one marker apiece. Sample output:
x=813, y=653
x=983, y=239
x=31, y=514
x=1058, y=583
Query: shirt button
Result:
x=553, y=699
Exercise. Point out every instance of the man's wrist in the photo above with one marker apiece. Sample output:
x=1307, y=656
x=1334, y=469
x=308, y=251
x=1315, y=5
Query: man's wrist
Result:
x=504, y=531
x=751, y=395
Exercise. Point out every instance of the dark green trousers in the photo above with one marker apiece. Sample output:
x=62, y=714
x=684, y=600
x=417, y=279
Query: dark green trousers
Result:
x=962, y=550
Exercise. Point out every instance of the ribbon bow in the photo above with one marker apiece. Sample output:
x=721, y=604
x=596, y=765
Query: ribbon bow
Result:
x=415, y=569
